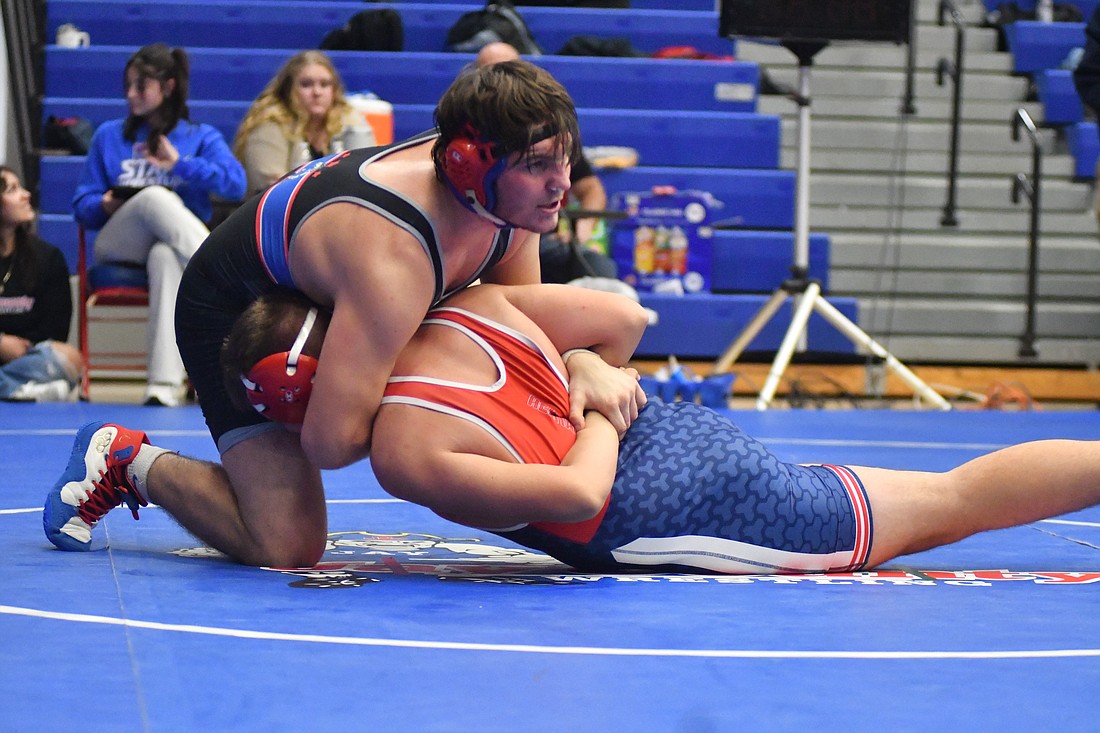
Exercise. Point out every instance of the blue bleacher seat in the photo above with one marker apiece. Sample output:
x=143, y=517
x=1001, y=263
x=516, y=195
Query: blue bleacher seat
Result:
x=753, y=199
x=1083, y=141
x=712, y=139
x=60, y=231
x=1036, y=46
x=757, y=262
x=633, y=4
x=1061, y=105
x=289, y=24
x=703, y=325
x=694, y=123
x=1085, y=6
x=421, y=78
x=762, y=199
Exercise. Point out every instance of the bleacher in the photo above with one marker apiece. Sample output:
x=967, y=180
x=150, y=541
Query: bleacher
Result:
x=694, y=123
x=1039, y=51
x=293, y=24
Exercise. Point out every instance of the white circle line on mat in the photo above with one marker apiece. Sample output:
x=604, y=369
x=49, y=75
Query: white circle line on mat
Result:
x=545, y=649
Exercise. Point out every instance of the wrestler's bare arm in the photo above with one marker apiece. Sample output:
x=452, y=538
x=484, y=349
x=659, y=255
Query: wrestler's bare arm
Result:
x=608, y=324
x=572, y=317
x=380, y=295
x=481, y=491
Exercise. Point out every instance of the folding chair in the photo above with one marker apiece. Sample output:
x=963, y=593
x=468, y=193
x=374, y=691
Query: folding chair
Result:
x=110, y=293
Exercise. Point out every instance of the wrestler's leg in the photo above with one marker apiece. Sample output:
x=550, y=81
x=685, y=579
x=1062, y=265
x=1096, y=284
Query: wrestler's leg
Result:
x=266, y=506
x=914, y=510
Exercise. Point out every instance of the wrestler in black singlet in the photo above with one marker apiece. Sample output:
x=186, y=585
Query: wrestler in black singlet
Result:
x=232, y=269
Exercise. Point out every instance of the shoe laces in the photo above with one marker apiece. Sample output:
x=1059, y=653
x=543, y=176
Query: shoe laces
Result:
x=107, y=493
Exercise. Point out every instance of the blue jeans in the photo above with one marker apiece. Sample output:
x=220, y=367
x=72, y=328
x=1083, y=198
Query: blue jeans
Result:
x=40, y=364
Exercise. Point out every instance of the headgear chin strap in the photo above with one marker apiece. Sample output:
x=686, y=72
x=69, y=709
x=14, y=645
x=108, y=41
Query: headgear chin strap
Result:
x=472, y=166
x=279, y=385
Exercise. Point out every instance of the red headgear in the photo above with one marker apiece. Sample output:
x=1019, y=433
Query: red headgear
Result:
x=279, y=385
x=472, y=167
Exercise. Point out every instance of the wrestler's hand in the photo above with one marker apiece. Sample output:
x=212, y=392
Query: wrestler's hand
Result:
x=595, y=385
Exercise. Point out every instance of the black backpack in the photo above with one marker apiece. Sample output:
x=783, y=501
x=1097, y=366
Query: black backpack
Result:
x=71, y=134
x=498, y=21
x=368, y=30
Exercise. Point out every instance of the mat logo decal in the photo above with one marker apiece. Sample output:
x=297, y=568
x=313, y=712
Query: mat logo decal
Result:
x=354, y=559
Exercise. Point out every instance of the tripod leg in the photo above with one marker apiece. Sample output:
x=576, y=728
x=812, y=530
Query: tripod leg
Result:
x=754, y=326
x=857, y=336
x=790, y=343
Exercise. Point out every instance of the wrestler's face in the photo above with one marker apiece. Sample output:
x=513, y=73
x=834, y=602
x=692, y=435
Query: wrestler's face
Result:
x=531, y=189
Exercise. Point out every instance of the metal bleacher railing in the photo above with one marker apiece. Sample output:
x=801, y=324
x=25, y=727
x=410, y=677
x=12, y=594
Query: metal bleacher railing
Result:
x=24, y=21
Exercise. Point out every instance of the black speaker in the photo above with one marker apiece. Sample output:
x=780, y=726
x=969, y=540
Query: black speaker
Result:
x=817, y=20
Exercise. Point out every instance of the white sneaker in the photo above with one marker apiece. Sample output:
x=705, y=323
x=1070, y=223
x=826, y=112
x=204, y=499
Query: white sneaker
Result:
x=57, y=390
x=164, y=395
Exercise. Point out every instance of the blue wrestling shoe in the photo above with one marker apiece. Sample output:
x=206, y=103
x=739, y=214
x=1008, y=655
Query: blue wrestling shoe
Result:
x=94, y=483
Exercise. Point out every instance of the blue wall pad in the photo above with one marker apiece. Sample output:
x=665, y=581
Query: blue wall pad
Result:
x=255, y=24
x=421, y=78
x=703, y=325
x=757, y=262
x=1036, y=46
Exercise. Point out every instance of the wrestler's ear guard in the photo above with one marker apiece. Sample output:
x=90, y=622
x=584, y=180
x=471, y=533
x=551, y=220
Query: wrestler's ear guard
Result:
x=472, y=167
x=279, y=385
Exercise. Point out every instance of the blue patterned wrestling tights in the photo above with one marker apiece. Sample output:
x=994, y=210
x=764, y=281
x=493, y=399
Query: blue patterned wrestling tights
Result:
x=694, y=493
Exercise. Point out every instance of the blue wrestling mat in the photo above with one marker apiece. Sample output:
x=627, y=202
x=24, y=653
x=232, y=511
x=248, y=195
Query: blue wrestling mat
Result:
x=415, y=624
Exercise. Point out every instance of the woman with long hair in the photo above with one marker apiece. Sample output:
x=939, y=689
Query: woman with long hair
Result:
x=301, y=114
x=36, y=305
x=146, y=188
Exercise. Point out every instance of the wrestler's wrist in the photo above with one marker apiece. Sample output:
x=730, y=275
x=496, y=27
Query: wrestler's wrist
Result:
x=573, y=352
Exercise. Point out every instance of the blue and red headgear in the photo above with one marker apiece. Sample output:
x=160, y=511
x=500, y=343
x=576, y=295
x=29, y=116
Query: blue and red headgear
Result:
x=472, y=166
x=279, y=385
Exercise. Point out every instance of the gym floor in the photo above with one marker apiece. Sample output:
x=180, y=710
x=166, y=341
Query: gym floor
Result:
x=414, y=624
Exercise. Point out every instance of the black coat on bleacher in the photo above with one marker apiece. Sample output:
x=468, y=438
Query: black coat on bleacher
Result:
x=1086, y=77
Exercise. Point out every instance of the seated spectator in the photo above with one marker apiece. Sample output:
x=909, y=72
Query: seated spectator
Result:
x=301, y=114
x=146, y=187
x=36, y=306
x=560, y=260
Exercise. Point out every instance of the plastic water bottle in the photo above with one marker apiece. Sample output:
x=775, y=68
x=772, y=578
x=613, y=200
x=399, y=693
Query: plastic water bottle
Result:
x=1044, y=11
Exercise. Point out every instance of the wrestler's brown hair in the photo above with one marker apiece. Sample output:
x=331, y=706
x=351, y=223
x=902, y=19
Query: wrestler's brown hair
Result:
x=268, y=326
x=511, y=104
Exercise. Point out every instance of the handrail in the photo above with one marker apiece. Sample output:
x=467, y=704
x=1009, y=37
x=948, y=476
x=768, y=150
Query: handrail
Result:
x=907, y=103
x=1031, y=188
x=955, y=72
x=23, y=23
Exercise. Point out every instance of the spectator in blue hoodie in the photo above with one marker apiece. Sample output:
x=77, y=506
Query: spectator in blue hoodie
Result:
x=146, y=188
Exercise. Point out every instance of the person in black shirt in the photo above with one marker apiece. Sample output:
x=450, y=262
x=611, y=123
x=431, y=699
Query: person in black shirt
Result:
x=36, y=363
